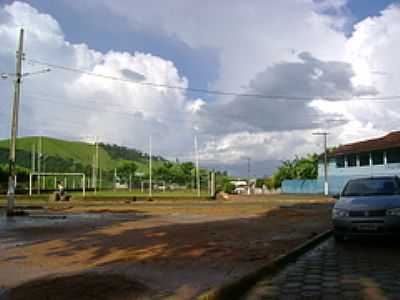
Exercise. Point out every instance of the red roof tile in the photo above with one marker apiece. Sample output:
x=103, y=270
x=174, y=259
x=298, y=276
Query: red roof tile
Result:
x=391, y=140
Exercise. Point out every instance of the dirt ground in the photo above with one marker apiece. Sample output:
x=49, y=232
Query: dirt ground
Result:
x=158, y=250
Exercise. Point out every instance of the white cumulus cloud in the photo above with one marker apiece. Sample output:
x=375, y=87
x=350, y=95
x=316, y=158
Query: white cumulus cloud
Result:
x=266, y=47
x=78, y=105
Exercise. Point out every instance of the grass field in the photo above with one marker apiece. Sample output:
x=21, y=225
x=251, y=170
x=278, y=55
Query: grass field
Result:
x=138, y=193
x=108, y=196
x=123, y=199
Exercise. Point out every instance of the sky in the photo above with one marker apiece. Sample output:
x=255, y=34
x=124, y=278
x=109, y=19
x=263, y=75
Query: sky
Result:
x=323, y=65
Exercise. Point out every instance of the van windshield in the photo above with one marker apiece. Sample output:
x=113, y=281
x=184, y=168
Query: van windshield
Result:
x=371, y=186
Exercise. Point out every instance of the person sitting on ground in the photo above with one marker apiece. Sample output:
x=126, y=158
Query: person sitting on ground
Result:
x=60, y=188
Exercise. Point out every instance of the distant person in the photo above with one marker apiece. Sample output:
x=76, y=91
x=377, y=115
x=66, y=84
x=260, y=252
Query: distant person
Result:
x=60, y=187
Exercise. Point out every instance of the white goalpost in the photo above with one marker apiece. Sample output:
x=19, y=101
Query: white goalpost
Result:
x=57, y=175
x=160, y=183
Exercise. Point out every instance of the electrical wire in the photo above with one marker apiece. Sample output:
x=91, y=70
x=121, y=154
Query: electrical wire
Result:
x=121, y=110
x=213, y=92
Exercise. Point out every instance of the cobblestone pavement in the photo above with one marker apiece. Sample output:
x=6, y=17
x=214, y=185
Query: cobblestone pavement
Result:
x=366, y=268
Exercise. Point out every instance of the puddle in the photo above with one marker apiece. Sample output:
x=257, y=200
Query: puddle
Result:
x=49, y=221
x=3, y=294
x=43, y=219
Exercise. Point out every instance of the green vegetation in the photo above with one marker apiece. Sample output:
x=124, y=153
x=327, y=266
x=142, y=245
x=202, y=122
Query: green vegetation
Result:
x=298, y=168
x=120, y=152
x=72, y=156
x=138, y=193
x=60, y=153
x=126, y=170
x=229, y=187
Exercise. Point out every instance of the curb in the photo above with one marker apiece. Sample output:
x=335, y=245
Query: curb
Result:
x=238, y=288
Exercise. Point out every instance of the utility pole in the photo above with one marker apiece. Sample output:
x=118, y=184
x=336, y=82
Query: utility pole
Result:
x=97, y=164
x=212, y=183
x=197, y=166
x=248, y=175
x=209, y=182
x=100, y=180
x=14, y=127
x=33, y=157
x=94, y=173
x=150, y=168
x=44, y=171
x=115, y=178
x=326, y=185
x=39, y=163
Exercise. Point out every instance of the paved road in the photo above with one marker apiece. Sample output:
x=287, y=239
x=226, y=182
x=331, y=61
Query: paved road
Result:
x=356, y=269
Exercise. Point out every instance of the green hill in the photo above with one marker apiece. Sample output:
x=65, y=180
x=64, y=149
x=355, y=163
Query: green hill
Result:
x=68, y=156
x=61, y=156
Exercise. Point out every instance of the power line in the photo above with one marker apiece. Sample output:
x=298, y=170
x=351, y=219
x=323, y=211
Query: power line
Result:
x=213, y=92
x=122, y=110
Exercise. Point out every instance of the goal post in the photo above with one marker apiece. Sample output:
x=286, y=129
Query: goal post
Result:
x=55, y=174
x=153, y=183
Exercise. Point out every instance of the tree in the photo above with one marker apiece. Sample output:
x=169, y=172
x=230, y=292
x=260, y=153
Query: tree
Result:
x=125, y=170
x=229, y=188
x=298, y=168
x=260, y=183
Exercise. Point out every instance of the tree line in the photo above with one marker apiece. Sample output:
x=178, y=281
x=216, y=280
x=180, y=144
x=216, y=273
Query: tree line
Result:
x=298, y=168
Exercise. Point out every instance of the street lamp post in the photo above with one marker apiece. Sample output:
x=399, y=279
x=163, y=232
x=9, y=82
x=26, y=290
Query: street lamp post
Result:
x=196, y=153
x=326, y=185
x=248, y=173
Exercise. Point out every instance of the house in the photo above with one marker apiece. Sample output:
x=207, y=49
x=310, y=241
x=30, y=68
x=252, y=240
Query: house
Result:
x=380, y=156
x=241, y=186
x=373, y=157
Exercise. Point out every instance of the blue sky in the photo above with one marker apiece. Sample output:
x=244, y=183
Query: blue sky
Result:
x=199, y=65
x=364, y=8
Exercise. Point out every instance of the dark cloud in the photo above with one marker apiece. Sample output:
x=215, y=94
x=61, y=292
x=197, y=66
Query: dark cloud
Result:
x=258, y=168
x=310, y=79
x=4, y=17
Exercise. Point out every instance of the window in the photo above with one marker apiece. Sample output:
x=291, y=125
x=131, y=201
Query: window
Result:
x=371, y=186
x=340, y=162
x=364, y=159
x=393, y=156
x=351, y=160
x=377, y=158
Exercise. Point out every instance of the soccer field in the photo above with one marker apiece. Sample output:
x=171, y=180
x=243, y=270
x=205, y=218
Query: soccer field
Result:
x=108, y=196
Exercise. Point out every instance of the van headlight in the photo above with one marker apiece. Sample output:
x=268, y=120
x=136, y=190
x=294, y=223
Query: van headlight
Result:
x=339, y=213
x=393, y=212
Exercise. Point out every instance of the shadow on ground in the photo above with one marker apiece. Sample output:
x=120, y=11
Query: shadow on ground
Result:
x=87, y=286
x=178, y=257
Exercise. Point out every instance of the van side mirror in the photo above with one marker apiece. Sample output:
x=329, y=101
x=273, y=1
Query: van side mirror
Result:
x=336, y=196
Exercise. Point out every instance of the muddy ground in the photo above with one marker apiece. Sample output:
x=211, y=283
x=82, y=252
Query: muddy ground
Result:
x=150, y=250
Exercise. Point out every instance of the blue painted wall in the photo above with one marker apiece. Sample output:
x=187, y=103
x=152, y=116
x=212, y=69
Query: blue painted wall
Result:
x=338, y=177
x=316, y=186
x=308, y=186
